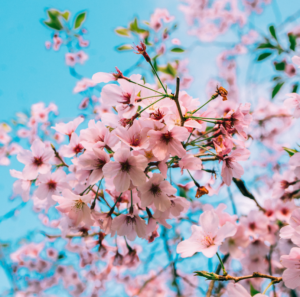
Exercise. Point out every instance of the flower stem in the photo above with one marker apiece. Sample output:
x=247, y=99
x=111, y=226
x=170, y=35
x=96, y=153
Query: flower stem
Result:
x=269, y=285
x=154, y=70
x=176, y=98
x=222, y=265
x=151, y=104
x=133, y=82
x=212, y=98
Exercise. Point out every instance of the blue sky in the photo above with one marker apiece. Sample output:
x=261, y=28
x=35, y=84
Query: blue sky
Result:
x=29, y=73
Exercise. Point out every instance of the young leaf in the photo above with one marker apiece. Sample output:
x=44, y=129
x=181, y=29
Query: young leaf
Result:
x=293, y=41
x=295, y=88
x=291, y=152
x=80, y=18
x=280, y=66
x=169, y=69
x=54, y=22
x=263, y=56
x=134, y=27
x=253, y=291
x=177, y=50
x=125, y=47
x=273, y=32
x=276, y=78
x=122, y=31
x=276, y=89
x=266, y=45
x=65, y=14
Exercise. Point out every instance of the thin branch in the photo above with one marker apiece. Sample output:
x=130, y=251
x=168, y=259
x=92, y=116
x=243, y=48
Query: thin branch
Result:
x=176, y=98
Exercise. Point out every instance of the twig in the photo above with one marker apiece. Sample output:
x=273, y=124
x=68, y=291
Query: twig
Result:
x=176, y=98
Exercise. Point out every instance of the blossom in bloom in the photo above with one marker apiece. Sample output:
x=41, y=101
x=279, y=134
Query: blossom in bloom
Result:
x=190, y=162
x=69, y=127
x=231, y=168
x=293, y=101
x=51, y=184
x=165, y=143
x=75, y=207
x=255, y=223
x=37, y=160
x=126, y=168
x=93, y=160
x=207, y=237
x=135, y=136
x=156, y=190
x=291, y=276
x=21, y=186
x=104, y=220
x=237, y=290
x=123, y=96
x=73, y=148
x=129, y=225
x=97, y=135
x=83, y=85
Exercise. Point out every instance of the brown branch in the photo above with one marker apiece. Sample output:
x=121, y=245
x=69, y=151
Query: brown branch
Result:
x=253, y=275
x=177, y=101
x=81, y=234
x=58, y=156
x=212, y=283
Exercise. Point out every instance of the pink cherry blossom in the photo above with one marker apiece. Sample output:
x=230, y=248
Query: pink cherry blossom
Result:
x=69, y=127
x=75, y=207
x=165, y=143
x=129, y=225
x=21, y=186
x=207, y=237
x=293, y=101
x=93, y=160
x=231, y=168
x=37, y=160
x=126, y=168
x=156, y=190
x=291, y=276
x=51, y=184
x=190, y=162
x=97, y=136
x=73, y=148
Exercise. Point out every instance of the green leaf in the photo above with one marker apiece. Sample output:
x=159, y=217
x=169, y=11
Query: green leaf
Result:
x=263, y=56
x=79, y=20
x=169, y=69
x=295, y=88
x=290, y=151
x=280, y=66
x=54, y=22
x=61, y=256
x=253, y=291
x=123, y=31
x=65, y=14
x=293, y=41
x=124, y=47
x=276, y=89
x=266, y=45
x=276, y=78
x=177, y=50
x=273, y=32
x=134, y=27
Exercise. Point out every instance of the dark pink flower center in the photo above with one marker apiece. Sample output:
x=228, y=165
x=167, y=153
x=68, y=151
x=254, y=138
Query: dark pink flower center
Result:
x=155, y=190
x=52, y=184
x=78, y=148
x=38, y=161
x=125, y=166
x=167, y=137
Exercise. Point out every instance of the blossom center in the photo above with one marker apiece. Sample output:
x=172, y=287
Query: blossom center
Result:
x=52, y=184
x=125, y=166
x=155, y=190
x=207, y=241
x=78, y=148
x=167, y=137
x=38, y=161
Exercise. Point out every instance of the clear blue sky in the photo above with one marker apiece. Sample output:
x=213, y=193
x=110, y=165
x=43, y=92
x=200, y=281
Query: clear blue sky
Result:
x=29, y=73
